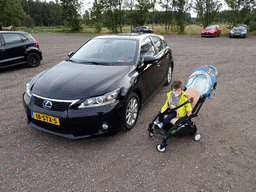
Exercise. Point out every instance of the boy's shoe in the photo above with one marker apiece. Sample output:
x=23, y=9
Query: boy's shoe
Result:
x=156, y=122
x=160, y=125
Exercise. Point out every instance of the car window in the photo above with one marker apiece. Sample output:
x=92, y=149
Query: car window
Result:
x=158, y=43
x=106, y=51
x=12, y=38
x=163, y=43
x=23, y=38
x=210, y=27
x=147, y=48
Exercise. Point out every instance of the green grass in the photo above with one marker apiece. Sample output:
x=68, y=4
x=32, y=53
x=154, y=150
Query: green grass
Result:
x=158, y=29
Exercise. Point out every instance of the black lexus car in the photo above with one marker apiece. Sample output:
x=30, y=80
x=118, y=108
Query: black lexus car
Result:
x=19, y=48
x=101, y=87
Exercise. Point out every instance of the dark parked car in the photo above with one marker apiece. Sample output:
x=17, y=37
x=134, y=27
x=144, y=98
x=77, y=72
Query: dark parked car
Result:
x=238, y=32
x=101, y=87
x=142, y=29
x=211, y=31
x=18, y=48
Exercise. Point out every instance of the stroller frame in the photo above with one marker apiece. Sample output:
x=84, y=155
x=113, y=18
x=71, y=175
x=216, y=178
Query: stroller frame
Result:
x=176, y=129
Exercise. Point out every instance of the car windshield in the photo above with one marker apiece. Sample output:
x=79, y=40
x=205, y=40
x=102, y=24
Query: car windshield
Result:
x=210, y=27
x=106, y=51
x=239, y=29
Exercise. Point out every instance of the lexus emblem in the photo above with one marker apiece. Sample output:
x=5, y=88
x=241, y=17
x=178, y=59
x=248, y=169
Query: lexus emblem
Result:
x=47, y=104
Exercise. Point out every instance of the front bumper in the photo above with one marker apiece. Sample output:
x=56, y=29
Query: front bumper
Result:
x=75, y=123
x=237, y=35
x=207, y=34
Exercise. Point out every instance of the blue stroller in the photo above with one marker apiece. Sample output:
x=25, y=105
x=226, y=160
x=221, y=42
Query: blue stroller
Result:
x=200, y=86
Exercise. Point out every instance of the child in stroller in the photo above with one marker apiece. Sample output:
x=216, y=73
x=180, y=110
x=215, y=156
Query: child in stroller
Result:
x=175, y=98
x=200, y=86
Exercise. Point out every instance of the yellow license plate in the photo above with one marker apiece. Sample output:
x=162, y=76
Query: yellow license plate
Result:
x=45, y=118
x=206, y=35
x=237, y=34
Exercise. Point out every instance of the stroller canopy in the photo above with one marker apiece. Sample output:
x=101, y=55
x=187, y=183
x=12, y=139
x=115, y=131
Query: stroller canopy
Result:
x=203, y=79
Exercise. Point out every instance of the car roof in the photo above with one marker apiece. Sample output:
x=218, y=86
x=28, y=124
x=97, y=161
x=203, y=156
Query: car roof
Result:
x=238, y=27
x=138, y=36
x=21, y=32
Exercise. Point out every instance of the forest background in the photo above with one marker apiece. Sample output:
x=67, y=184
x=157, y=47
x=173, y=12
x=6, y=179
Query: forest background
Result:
x=116, y=16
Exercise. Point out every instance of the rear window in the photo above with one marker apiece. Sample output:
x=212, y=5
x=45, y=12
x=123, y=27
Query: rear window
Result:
x=27, y=35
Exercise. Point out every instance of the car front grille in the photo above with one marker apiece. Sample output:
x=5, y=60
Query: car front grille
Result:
x=56, y=105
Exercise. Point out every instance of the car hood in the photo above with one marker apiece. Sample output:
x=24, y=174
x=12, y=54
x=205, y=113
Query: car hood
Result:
x=208, y=30
x=69, y=80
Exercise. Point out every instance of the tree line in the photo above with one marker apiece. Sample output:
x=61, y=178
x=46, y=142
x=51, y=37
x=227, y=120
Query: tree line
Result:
x=114, y=14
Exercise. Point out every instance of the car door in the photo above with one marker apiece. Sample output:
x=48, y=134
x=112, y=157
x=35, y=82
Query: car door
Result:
x=163, y=60
x=3, y=56
x=147, y=77
x=14, y=48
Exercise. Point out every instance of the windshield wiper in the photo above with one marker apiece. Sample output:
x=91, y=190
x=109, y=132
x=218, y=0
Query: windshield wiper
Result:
x=95, y=63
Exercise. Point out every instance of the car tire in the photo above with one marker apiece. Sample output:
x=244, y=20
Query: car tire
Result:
x=169, y=75
x=33, y=60
x=131, y=111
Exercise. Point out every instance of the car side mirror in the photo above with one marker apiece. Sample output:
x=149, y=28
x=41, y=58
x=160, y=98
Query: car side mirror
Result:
x=146, y=61
x=149, y=59
x=71, y=53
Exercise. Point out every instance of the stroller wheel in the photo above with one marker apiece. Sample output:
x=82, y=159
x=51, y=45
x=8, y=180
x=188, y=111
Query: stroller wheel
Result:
x=152, y=132
x=158, y=147
x=197, y=136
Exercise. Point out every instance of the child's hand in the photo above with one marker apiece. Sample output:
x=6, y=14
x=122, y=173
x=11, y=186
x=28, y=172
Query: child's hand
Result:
x=165, y=116
x=189, y=113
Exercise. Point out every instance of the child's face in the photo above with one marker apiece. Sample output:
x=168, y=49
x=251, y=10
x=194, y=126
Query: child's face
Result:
x=176, y=92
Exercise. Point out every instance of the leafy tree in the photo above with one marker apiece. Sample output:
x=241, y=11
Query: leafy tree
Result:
x=167, y=6
x=11, y=13
x=207, y=10
x=141, y=12
x=112, y=14
x=182, y=7
x=70, y=9
x=241, y=10
x=96, y=15
x=27, y=21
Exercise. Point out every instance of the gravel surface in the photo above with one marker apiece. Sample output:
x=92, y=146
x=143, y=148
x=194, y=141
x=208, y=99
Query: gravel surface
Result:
x=223, y=160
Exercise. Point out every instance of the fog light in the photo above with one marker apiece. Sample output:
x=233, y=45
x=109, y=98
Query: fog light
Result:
x=104, y=126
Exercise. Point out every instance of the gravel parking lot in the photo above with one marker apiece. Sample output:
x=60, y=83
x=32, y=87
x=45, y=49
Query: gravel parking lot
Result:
x=223, y=160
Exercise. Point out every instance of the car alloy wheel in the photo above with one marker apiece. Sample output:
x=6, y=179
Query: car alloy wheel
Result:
x=131, y=111
x=33, y=60
x=169, y=76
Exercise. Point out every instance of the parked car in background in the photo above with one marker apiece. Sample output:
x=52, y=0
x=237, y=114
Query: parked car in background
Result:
x=142, y=29
x=101, y=87
x=19, y=48
x=238, y=32
x=244, y=26
x=211, y=31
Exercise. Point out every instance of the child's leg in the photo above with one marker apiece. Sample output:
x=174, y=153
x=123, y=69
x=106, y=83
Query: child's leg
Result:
x=161, y=116
x=169, y=118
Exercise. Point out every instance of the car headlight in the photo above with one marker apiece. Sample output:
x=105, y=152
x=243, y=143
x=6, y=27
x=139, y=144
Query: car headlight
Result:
x=202, y=32
x=100, y=100
x=28, y=89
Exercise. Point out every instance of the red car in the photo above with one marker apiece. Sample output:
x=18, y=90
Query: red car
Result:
x=211, y=31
